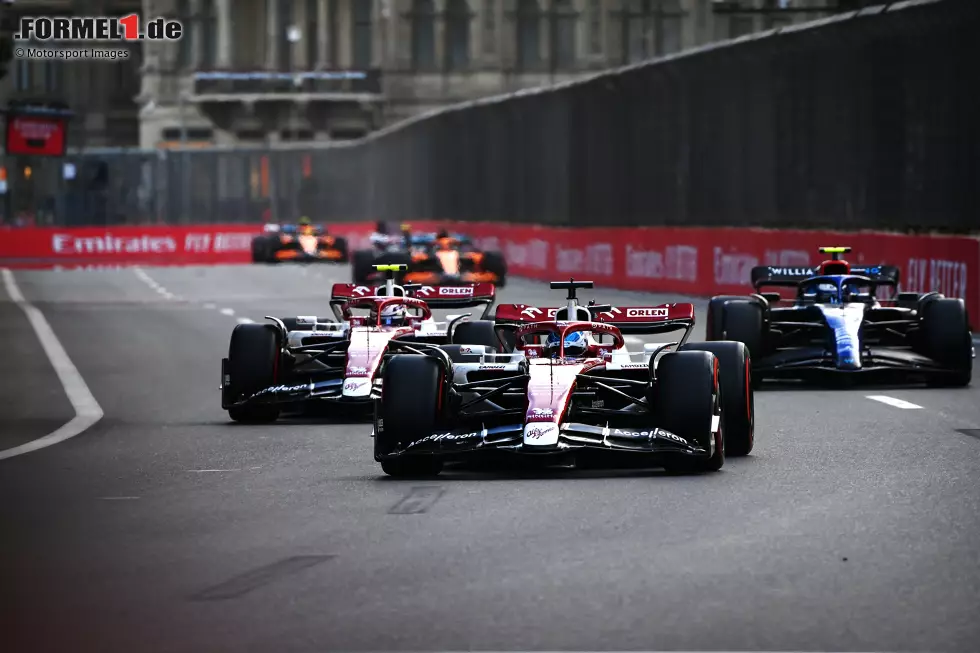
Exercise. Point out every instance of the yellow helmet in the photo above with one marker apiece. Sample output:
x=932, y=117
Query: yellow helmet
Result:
x=305, y=221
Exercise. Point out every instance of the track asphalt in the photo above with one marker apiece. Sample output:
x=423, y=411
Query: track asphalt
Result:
x=853, y=526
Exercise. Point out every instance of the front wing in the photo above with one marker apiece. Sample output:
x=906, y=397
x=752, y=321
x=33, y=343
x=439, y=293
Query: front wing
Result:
x=888, y=363
x=300, y=391
x=573, y=438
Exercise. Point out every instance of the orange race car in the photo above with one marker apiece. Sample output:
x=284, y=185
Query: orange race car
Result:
x=431, y=259
x=303, y=242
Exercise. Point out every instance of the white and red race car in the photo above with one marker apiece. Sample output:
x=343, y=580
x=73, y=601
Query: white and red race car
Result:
x=293, y=362
x=570, y=390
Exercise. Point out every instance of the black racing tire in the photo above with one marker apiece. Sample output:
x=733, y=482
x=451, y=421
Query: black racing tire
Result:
x=738, y=396
x=686, y=398
x=946, y=339
x=341, y=246
x=742, y=321
x=361, y=262
x=477, y=332
x=494, y=262
x=262, y=250
x=412, y=396
x=253, y=365
x=714, y=322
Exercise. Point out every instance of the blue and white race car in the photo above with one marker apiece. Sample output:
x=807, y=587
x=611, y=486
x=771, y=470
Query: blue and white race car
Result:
x=837, y=326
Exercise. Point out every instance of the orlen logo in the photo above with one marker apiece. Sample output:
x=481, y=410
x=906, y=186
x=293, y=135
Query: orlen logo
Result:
x=646, y=312
x=360, y=291
x=109, y=244
x=454, y=291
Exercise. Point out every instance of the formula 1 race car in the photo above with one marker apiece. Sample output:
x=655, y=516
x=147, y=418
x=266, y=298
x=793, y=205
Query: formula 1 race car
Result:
x=305, y=359
x=433, y=259
x=836, y=325
x=303, y=242
x=570, y=392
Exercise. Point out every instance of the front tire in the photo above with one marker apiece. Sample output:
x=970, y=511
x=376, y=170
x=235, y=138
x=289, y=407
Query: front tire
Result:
x=412, y=397
x=253, y=365
x=687, y=399
x=947, y=340
x=738, y=397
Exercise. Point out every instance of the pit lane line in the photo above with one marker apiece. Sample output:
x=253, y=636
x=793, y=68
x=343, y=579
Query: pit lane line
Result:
x=87, y=410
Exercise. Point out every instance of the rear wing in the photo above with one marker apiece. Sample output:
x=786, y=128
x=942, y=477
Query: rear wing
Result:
x=774, y=276
x=462, y=296
x=628, y=319
x=437, y=297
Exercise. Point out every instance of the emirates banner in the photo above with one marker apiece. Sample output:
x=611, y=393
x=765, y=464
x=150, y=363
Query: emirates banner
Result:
x=697, y=262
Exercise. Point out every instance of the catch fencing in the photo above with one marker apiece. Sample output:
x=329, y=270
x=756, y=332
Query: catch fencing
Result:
x=866, y=120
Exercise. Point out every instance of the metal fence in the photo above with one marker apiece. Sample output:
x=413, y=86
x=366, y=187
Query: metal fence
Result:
x=863, y=120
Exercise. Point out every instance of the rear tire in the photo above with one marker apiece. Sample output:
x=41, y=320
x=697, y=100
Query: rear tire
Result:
x=742, y=321
x=477, y=332
x=738, y=398
x=686, y=398
x=361, y=262
x=494, y=262
x=341, y=245
x=411, y=399
x=946, y=339
x=715, y=320
x=253, y=365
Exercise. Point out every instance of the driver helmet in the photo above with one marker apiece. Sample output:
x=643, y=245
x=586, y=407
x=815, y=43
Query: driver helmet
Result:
x=381, y=228
x=576, y=345
x=394, y=315
x=824, y=292
x=305, y=226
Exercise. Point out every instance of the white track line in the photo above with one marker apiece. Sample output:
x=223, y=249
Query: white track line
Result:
x=152, y=283
x=227, y=311
x=892, y=401
x=245, y=320
x=87, y=409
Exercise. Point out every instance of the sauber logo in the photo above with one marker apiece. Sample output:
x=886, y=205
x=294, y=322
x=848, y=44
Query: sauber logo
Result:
x=533, y=312
x=611, y=313
x=540, y=415
x=646, y=312
x=456, y=291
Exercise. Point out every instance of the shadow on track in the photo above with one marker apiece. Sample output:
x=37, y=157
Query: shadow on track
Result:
x=523, y=470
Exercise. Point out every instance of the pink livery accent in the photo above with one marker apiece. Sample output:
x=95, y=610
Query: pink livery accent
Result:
x=548, y=392
x=367, y=346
